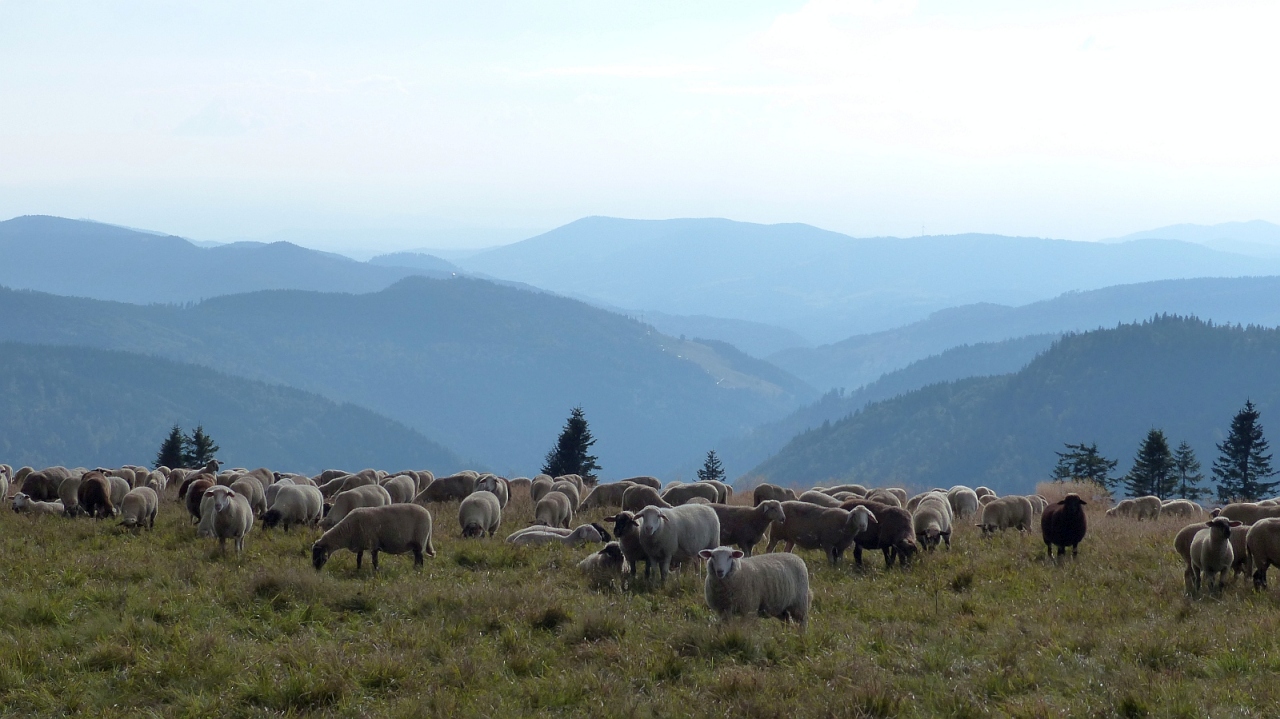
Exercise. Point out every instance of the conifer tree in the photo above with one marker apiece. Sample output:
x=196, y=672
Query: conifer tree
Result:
x=1243, y=461
x=170, y=454
x=198, y=448
x=571, y=453
x=1153, y=468
x=1084, y=462
x=711, y=468
x=1186, y=472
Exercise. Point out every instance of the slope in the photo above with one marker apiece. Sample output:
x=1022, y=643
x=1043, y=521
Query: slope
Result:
x=74, y=406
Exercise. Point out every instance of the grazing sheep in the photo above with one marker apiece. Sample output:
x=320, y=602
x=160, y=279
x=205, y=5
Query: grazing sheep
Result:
x=1262, y=541
x=931, y=521
x=391, y=528
x=1063, y=524
x=401, y=488
x=668, y=533
x=577, y=481
x=984, y=492
x=23, y=504
x=604, y=564
x=885, y=496
x=553, y=510
x=497, y=485
x=119, y=488
x=333, y=486
x=1006, y=513
x=582, y=534
x=225, y=514
x=640, y=496
x=723, y=491
x=195, y=496
x=157, y=481
x=1038, y=503
x=819, y=498
x=898, y=492
x=1147, y=507
x=745, y=526
x=685, y=492
x=294, y=504
x=94, y=495
x=889, y=529
x=773, y=585
x=605, y=495
x=1239, y=548
x=329, y=475
x=1212, y=554
x=539, y=487
x=857, y=489
x=252, y=490
x=448, y=489
x=964, y=502
x=1181, y=508
x=479, y=513
x=274, y=489
x=768, y=491
x=812, y=526
x=646, y=481
x=520, y=484
x=986, y=499
x=627, y=529
x=369, y=495
x=69, y=495
x=1248, y=512
x=42, y=485
x=568, y=489
x=139, y=507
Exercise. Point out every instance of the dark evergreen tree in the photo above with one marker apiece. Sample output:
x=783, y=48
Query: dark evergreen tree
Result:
x=571, y=453
x=711, y=468
x=198, y=448
x=1084, y=462
x=1243, y=461
x=1186, y=472
x=1153, y=468
x=170, y=454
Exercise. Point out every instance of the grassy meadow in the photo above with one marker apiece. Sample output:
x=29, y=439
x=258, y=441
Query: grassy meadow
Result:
x=98, y=621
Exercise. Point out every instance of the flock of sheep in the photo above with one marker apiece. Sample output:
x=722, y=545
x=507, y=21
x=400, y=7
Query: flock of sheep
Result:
x=663, y=527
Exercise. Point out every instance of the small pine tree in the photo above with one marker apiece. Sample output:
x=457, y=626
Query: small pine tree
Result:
x=1186, y=473
x=711, y=468
x=1153, y=468
x=1084, y=462
x=1244, y=462
x=198, y=448
x=170, y=454
x=570, y=455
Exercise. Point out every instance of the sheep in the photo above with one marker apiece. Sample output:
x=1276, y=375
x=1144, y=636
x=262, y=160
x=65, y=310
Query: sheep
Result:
x=668, y=533
x=448, y=489
x=984, y=492
x=986, y=499
x=94, y=495
x=1038, y=503
x=577, y=482
x=1147, y=507
x=23, y=504
x=964, y=502
x=604, y=564
x=294, y=504
x=1248, y=512
x=195, y=495
x=723, y=491
x=685, y=492
x=5, y=479
x=774, y=585
x=1180, y=508
x=889, y=529
x=401, y=488
x=812, y=526
x=640, y=496
x=884, y=496
x=1262, y=541
x=1212, y=554
x=157, y=482
x=333, y=486
x=391, y=528
x=931, y=521
x=583, y=534
x=139, y=507
x=225, y=514
x=766, y=491
x=745, y=526
x=520, y=484
x=251, y=488
x=818, y=498
x=605, y=495
x=69, y=495
x=329, y=475
x=498, y=486
x=1239, y=548
x=568, y=489
x=479, y=513
x=274, y=489
x=119, y=488
x=42, y=485
x=539, y=487
x=857, y=489
x=553, y=510
x=1004, y=513
x=369, y=495
x=627, y=529
x=562, y=531
x=647, y=481
x=898, y=492
x=1064, y=524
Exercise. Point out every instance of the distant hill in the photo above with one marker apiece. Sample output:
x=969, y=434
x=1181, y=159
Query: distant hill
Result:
x=755, y=338
x=858, y=360
x=488, y=370
x=824, y=285
x=1257, y=237
x=416, y=260
x=90, y=259
x=81, y=407
x=1109, y=386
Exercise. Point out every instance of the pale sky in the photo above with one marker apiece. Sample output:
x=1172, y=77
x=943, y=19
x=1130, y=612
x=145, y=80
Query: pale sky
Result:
x=402, y=124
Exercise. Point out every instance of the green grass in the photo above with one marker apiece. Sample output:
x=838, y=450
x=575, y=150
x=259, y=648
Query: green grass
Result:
x=97, y=621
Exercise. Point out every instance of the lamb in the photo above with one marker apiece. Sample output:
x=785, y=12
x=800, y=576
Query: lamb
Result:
x=685, y=492
x=1263, y=544
x=653, y=482
x=676, y=532
x=139, y=507
x=553, y=510
x=448, y=489
x=605, y=495
x=369, y=495
x=889, y=529
x=774, y=585
x=539, y=487
x=568, y=489
x=24, y=504
x=1064, y=524
x=745, y=526
x=1181, y=508
x=251, y=488
x=604, y=564
x=401, y=488
x=627, y=529
x=391, y=528
x=641, y=496
x=1248, y=512
x=767, y=491
x=479, y=513
x=931, y=521
x=885, y=496
x=812, y=526
x=583, y=534
x=1239, y=548
x=225, y=514
x=195, y=495
x=294, y=504
x=819, y=498
x=1212, y=554
x=1006, y=513
x=497, y=485
x=964, y=502
x=94, y=495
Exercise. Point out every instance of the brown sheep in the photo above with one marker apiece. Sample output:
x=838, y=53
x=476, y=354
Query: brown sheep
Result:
x=94, y=495
x=891, y=531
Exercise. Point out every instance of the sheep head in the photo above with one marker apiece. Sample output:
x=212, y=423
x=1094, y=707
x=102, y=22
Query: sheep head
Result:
x=721, y=561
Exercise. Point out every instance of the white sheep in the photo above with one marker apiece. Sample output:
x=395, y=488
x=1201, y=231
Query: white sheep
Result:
x=270, y=492
x=368, y=495
x=294, y=504
x=23, y=504
x=1006, y=513
x=931, y=520
x=570, y=490
x=1212, y=554
x=401, y=488
x=604, y=564
x=252, y=489
x=1180, y=508
x=605, y=495
x=553, y=510
x=583, y=534
x=391, y=528
x=225, y=514
x=139, y=507
x=119, y=488
x=479, y=513
x=775, y=585
x=1263, y=545
x=497, y=485
x=745, y=526
x=677, y=532
x=821, y=499
x=964, y=502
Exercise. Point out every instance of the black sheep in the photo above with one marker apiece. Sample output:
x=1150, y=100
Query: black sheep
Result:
x=1064, y=524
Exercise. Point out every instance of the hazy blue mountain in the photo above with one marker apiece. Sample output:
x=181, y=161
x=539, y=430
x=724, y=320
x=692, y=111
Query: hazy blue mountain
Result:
x=1257, y=237
x=88, y=407
x=825, y=285
x=743, y=452
x=858, y=360
x=488, y=370
x=89, y=259
x=1110, y=386
x=754, y=338
x=416, y=260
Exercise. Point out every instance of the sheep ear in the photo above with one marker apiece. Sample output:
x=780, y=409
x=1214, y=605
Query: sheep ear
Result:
x=737, y=554
x=614, y=519
x=231, y=493
x=1235, y=523
x=706, y=554
x=1083, y=502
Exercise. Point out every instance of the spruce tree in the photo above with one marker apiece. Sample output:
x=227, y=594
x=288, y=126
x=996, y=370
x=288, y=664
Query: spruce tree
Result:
x=1243, y=461
x=1186, y=472
x=711, y=468
x=1084, y=462
x=1153, y=468
x=198, y=448
x=571, y=453
x=170, y=454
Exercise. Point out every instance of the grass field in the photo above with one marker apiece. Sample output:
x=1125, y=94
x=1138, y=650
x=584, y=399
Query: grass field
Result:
x=101, y=622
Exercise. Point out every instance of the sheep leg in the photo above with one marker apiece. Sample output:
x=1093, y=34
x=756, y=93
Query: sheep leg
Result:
x=1188, y=579
x=857, y=555
x=1260, y=575
x=772, y=543
x=374, y=554
x=832, y=556
x=1075, y=551
x=947, y=538
x=664, y=568
x=791, y=546
x=359, y=559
